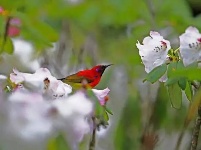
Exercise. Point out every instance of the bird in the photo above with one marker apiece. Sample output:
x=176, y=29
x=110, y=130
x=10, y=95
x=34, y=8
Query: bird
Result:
x=91, y=76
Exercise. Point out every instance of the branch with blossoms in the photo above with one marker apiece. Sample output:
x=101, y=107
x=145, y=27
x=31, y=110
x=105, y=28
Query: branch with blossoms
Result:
x=37, y=109
x=178, y=69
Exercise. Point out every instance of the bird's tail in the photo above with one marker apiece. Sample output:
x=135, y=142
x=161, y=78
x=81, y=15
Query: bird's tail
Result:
x=61, y=79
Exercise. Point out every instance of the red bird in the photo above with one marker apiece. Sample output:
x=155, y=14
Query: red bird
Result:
x=92, y=76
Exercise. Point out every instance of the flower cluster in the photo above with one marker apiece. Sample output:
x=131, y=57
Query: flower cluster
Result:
x=39, y=107
x=154, y=50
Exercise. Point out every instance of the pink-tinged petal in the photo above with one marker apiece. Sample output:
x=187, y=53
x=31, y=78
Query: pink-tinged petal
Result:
x=1, y=9
x=14, y=27
x=153, y=51
x=13, y=31
x=101, y=95
x=15, y=22
x=43, y=71
x=192, y=29
x=156, y=35
x=16, y=78
x=3, y=12
x=190, y=46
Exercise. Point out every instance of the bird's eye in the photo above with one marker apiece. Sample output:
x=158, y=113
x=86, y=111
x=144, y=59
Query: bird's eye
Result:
x=97, y=70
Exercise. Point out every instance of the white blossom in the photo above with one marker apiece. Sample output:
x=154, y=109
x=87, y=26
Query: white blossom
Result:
x=29, y=120
x=41, y=81
x=29, y=117
x=101, y=95
x=24, y=51
x=190, y=46
x=153, y=50
x=24, y=123
x=73, y=117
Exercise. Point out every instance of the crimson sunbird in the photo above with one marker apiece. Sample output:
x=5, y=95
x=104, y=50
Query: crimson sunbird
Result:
x=92, y=76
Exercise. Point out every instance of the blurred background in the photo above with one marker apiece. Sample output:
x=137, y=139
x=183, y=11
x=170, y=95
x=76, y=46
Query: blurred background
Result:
x=69, y=35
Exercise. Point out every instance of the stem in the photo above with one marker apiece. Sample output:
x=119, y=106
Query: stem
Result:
x=93, y=138
x=181, y=135
x=196, y=130
x=176, y=50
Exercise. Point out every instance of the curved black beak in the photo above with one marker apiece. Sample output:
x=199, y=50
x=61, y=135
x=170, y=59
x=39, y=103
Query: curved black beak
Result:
x=104, y=67
x=108, y=65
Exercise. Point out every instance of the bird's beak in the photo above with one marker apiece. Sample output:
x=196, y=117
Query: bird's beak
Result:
x=108, y=65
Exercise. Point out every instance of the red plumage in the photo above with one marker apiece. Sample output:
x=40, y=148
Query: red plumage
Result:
x=92, y=76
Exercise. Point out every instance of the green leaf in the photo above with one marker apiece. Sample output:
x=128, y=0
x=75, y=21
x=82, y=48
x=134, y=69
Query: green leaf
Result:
x=6, y=45
x=171, y=81
x=156, y=73
x=189, y=73
x=188, y=91
x=39, y=32
x=108, y=111
x=175, y=95
x=182, y=83
x=182, y=80
x=180, y=64
x=171, y=68
x=46, y=30
x=58, y=143
x=105, y=116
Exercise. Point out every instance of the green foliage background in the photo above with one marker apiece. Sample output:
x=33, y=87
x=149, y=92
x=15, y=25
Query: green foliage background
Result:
x=113, y=26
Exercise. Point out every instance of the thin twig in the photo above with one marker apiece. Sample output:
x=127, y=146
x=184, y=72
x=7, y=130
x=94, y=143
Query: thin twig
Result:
x=93, y=137
x=181, y=135
x=196, y=130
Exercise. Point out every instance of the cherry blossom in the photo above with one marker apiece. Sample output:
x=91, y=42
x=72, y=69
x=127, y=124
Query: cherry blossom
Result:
x=190, y=46
x=153, y=51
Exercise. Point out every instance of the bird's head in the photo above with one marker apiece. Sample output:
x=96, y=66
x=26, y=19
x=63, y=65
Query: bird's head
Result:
x=100, y=68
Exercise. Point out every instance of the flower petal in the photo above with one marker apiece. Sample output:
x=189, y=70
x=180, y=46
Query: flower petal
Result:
x=36, y=82
x=101, y=94
x=153, y=51
x=190, y=46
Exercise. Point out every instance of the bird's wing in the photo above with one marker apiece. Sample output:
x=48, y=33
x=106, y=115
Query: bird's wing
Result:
x=74, y=78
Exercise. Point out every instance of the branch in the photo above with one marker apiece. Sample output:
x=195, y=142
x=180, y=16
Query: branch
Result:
x=93, y=138
x=196, y=130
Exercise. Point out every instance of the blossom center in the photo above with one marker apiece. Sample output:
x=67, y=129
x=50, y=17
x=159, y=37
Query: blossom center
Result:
x=163, y=46
x=196, y=45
